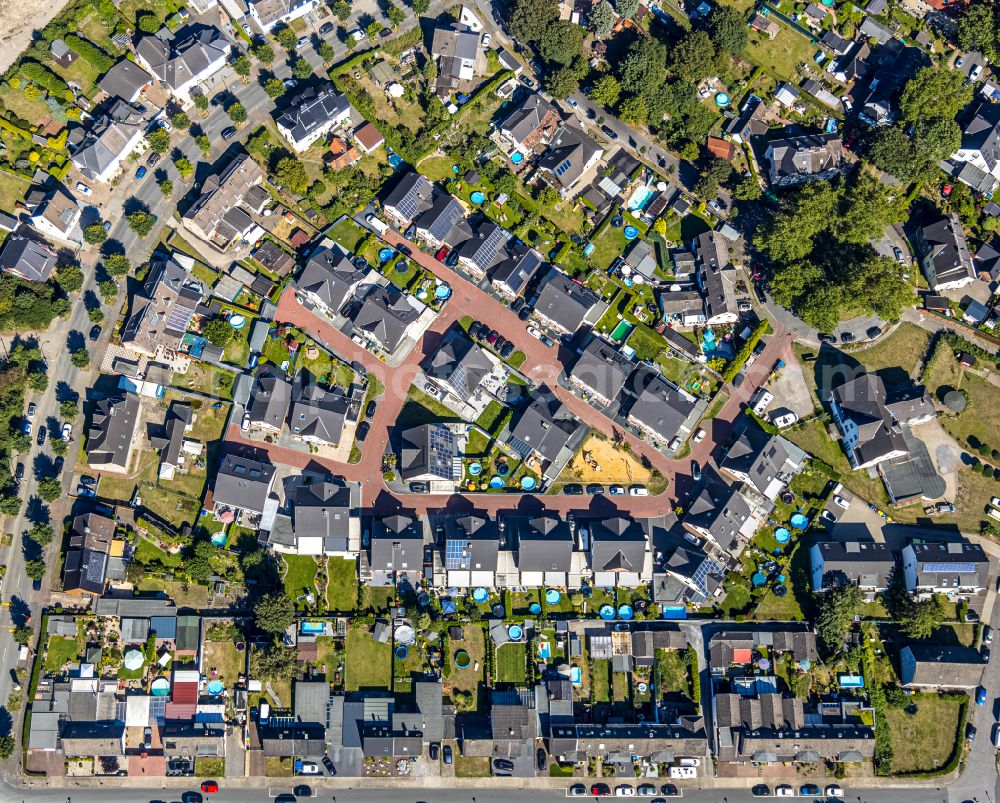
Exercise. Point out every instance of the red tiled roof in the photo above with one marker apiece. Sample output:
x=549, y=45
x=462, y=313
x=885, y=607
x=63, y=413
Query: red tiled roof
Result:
x=369, y=137
x=742, y=656
x=721, y=148
x=184, y=693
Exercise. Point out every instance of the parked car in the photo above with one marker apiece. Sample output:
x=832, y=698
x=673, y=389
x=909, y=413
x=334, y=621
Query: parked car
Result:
x=600, y=790
x=573, y=490
x=370, y=409
x=491, y=338
x=95, y=331
x=646, y=790
x=152, y=159
x=987, y=634
x=638, y=490
x=19, y=472
x=452, y=259
x=669, y=790
x=325, y=28
x=810, y=790
x=302, y=791
x=695, y=471
x=41, y=436
x=547, y=341
x=846, y=337
x=419, y=488
x=140, y=173
x=83, y=189
x=784, y=790
x=699, y=436
x=984, y=650
x=839, y=500
x=624, y=790
x=541, y=759
x=516, y=304
x=434, y=751
x=404, y=249
x=302, y=41
x=834, y=791
x=487, y=38
x=534, y=332
x=524, y=313
x=898, y=253
x=446, y=754
x=209, y=787
x=228, y=133
x=89, y=481
x=970, y=732
x=873, y=332
x=441, y=254
x=761, y=790
x=290, y=83
x=617, y=490
x=827, y=338
x=507, y=350
x=609, y=132
x=31, y=411
x=578, y=790
x=328, y=763
x=362, y=431
x=67, y=432
x=595, y=490
x=975, y=72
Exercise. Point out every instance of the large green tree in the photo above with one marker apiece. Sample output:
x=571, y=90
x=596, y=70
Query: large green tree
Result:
x=837, y=608
x=529, y=19
x=934, y=93
x=274, y=612
x=601, y=19
x=694, y=57
x=728, y=29
x=561, y=42
x=979, y=29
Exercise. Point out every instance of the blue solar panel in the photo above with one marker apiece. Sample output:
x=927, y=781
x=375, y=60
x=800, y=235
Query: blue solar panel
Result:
x=700, y=579
x=456, y=554
x=950, y=568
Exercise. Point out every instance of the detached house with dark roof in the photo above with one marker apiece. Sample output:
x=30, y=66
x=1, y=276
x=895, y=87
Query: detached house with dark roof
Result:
x=269, y=401
x=330, y=278
x=384, y=316
x=767, y=462
x=865, y=564
x=109, y=141
x=944, y=254
x=169, y=439
x=458, y=52
x=32, y=260
x=85, y=568
x=444, y=222
x=459, y=368
x=531, y=126
x=182, y=60
x=111, y=436
x=546, y=432
x=979, y=153
x=412, y=196
x=619, y=553
x=161, y=312
x=125, y=80
x=716, y=278
x=484, y=249
x=798, y=160
x=571, y=154
x=242, y=485
x=663, y=411
x=601, y=371
x=565, y=304
x=938, y=667
x=431, y=453
x=519, y=266
x=221, y=216
x=312, y=114
x=729, y=515
x=318, y=414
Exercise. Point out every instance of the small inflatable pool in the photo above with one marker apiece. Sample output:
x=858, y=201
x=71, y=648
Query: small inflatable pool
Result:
x=606, y=612
x=477, y=197
x=625, y=612
x=442, y=291
x=237, y=321
x=798, y=521
x=722, y=99
x=528, y=483
x=515, y=632
x=480, y=595
x=535, y=608
x=476, y=469
x=781, y=535
x=385, y=255
x=496, y=482
x=631, y=232
x=552, y=596
x=215, y=688
x=516, y=158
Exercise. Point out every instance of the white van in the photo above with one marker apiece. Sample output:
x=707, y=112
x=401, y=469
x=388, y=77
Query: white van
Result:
x=993, y=513
x=761, y=401
x=377, y=223
x=357, y=34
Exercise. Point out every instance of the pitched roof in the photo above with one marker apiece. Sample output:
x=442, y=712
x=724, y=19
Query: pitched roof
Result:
x=567, y=302
x=324, y=509
x=32, y=259
x=568, y=155
x=161, y=313
x=86, y=560
x=544, y=544
x=517, y=268
x=311, y=110
x=602, y=369
x=368, y=136
x=107, y=141
x=428, y=451
x=762, y=459
x=617, y=544
x=221, y=194
x=946, y=256
x=941, y=665
x=397, y=543
x=243, y=483
x=545, y=427
x=460, y=364
x=663, y=407
x=863, y=563
x=801, y=158
x=471, y=542
x=318, y=412
x=532, y=122
x=124, y=80
x=112, y=430
x=176, y=59
x=330, y=276
x=441, y=217
x=384, y=314
x=271, y=397
x=412, y=195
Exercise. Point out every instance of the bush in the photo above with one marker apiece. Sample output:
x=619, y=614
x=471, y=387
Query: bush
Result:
x=745, y=351
x=95, y=234
x=89, y=52
x=45, y=78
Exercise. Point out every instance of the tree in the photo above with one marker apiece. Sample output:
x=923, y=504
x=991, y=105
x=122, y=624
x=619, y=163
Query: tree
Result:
x=873, y=206
x=96, y=315
x=38, y=380
x=342, y=10
x=918, y=619
x=748, y=189
x=166, y=187
x=95, y=234
x=605, y=91
x=69, y=410
x=242, y=67
x=180, y=121
x=633, y=109
x=274, y=87
x=274, y=612
x=10, y=505
x=717, y=172
x=198, y=563
x=23, y=634
x=49, y=489
x=561, y=42
x=237, y=113
x=81, y=359
x=184, y=166
x=326, y=52
x=203, y=143
x=159, y=140
x=263, y=52
x=218, y=331
x=562, y=82
x=627, y=8
x=934, y=93
x=148, y=23
x=420, y=6
x=6, y=746
x=117, y=264
x=70, y=278
x=694, y=57
x=291, y=173
x=372, y=31
x=277, y=662
x=837, y=608
x=41, y=533
x=728, y=30
x=286, y=37
x=200, y=102
x=301, y=69
x=530, y=18
x=141, y=222
x=602, y=18
x=395, y=15
x=979, y=29
x=108, y=289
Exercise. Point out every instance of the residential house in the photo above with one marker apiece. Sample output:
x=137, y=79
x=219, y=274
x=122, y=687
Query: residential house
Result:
x=109, y=141
x=944, y=254
x=865, y=564
x=321, y=516
x=368, y=138
x=939, y=667
x=274, y=258
x=429, y=453
x=570, y=155
x=270, y=400
x=459, y=368
x=111, y=436
x=93, y=739
x=161, y=312
x=58, y=218
x=787, y=95
x=312, y=114
x=815, y=15
x=242, y=485
x=330, y=277
x=531, y=126
x=471, y=546
x=956, y=569
x=601, y=371
x=485, y=249
x=516, y=270
x=412, y=195
x=728, y=515
x=221, y=216
x=544, y=546
x=721, y=148
x=619, y=552
x=870, y=424
x=342, y=155
x=85, y=568
x=269, y=14
x=396, y=548
x=619, y=744
x=765, y=25
x=281, y=737
x=444, y=222
x=686, y=574
x=835, y=43
x=873, y=29
x=565, y=304
x=168, y=438
x=32, y=260
x=457, y=50
x=318, y=414
x=796, y=160
x=125, y=80
x=751, y=122
x=987, y=261
x=641, y=259
x=662, y=410
x=716, y=278
x=683, y=309
x=767, y=462
x=181, y=61
x=384, y=316
x=191, y=740
x=546, y=432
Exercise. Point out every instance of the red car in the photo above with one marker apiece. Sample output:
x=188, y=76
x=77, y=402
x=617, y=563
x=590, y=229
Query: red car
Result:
x=600, y=790
x=209, y=787
x=441, y=253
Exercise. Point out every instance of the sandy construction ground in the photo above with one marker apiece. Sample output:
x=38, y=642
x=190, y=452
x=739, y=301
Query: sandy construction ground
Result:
x=616, y=466
x=18, y=20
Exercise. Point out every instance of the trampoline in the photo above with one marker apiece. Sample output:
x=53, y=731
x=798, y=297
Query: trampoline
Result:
x=515, y=632
x=516, y=158
x=477, y=197
x=535, y=608
x=480, y=595
x=758, y=579
x=462, y=659
x=423, y=599
x=617, y=222
x=402, y=652
x=799, y=522
x=780, y=591
x=476, y=469
x=219, y=539
x=401, y=266
x=394, y=161
x=631, y=232
x=528, y=483
x=160, y=687
x=215, y=688
x=787, y=497
x=607, y=613
x=764, y=664
x=237, y=321
x=385, y=255
x=552, y=596
x=498, y=611
x=496, y=482
x=442, y=291
x=587, y=592
x=625, y=612
x=722, y=99
x=503, y=469
x=641, y=605
x=781, y=535
x=642, y=687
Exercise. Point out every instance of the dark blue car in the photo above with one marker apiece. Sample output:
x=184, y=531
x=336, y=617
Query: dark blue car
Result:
x=140, y=173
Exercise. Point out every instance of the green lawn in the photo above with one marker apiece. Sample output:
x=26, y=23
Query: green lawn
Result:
x=207, y=379
x=510, y=664
x=608, y=245
x=672, y=669
x=924, y=741
x=472, y=767
x=341, y=585
x=474, y=643
x=147, y=552
x=206, y=767
x=422, y=409
x=781, y=55
x=600, y=680
x=222, y=661
x=789, y=607
x=59, y=652
x=491, y=417
x=300, y=577
x=347, y=233
x=648, y=344
x=12, y=190
x=369, y=663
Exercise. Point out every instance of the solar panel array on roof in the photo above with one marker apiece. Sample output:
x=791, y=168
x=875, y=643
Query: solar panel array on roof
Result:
x=457, y=554
x=441, y=449
x=562, y=168
x=408, y=204
x=950, y=568
x=523, y=448
x=700, y=579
